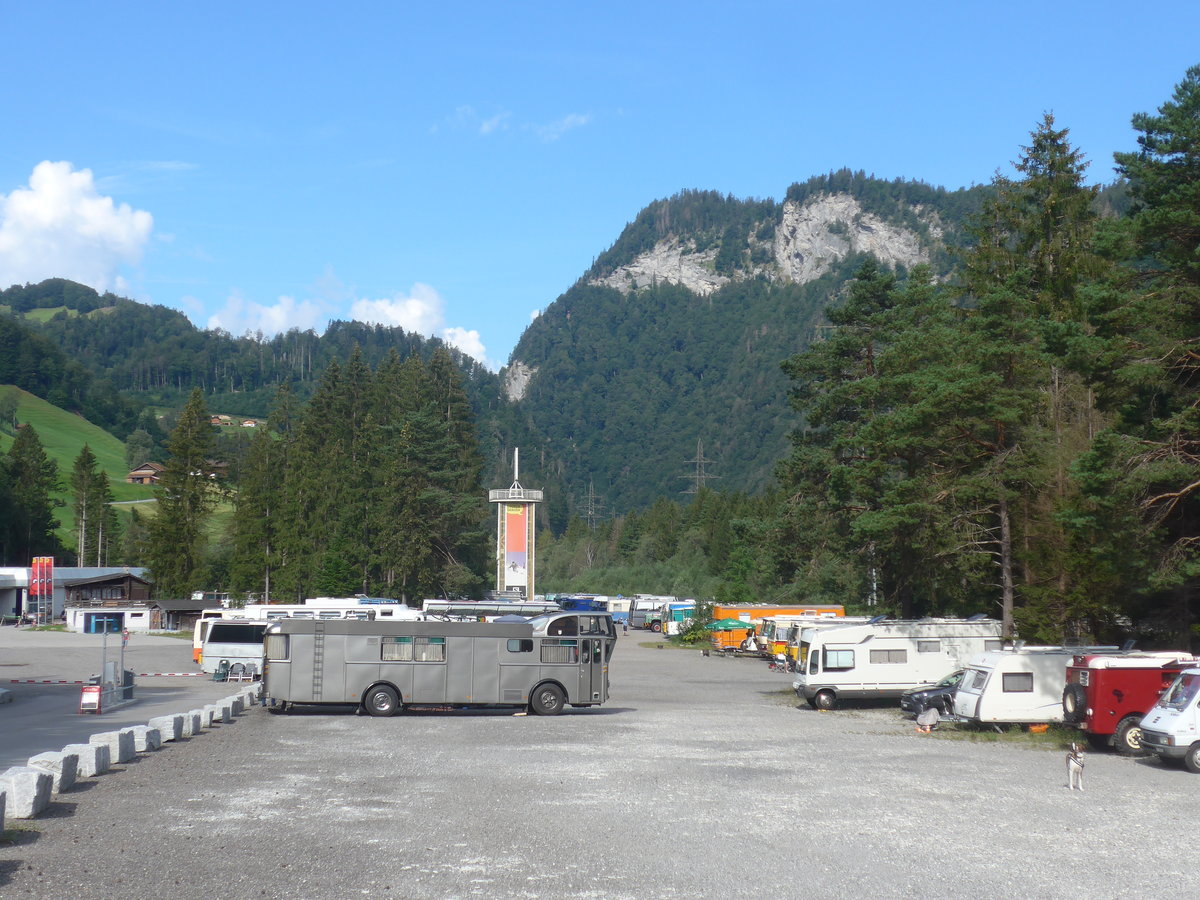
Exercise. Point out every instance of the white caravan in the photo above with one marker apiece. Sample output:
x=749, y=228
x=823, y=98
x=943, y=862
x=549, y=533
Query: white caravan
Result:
x=882, y=659
x=1023, y=685
x=1172, y=728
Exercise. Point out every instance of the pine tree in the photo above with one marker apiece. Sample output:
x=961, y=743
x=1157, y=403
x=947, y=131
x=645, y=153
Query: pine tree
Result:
x=32, y=479
x=96, y=526
x=186, y=495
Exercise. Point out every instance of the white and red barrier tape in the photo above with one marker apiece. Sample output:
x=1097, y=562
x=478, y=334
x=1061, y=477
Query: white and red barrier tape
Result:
x=138, y=675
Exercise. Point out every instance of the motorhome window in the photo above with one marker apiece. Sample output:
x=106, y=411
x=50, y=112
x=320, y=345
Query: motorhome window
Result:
x=277, y=615
x=993, y=645
x=517, y=645
x=839, y=660
x=361, y=616
x=429, y=649
x=560, y=651
x=396, y=649
x=814, y=662
x=275, y=646
x=1182, y=692
x=1017, y=683
x=929, y=646
x=329, y=614
x=302, y=615
x=224, y=633
x=567, y=625
x=889, y=656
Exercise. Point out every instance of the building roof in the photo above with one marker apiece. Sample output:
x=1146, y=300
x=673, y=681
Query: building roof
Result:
x=105, y=579
x=179, y=605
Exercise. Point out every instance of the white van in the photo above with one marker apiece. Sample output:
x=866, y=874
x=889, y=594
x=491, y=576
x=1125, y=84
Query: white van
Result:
x=881, y=659
x=1023, y=685
x=1172, y=728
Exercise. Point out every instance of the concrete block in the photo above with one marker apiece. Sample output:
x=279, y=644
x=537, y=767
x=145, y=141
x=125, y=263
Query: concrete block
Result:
x=119, y=743
x=169, y=727
x=208, y=716
x=237, y=704
x=63, y=768
x=28, y=790
x=146, y=739
x=224, y=712
x=94, y=759
x=191, y=722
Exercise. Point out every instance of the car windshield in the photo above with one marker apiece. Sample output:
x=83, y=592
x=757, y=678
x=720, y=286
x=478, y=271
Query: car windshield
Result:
x=950, y=680
x=1182, y=692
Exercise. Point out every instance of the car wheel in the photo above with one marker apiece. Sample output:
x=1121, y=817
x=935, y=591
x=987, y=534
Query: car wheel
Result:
x=547, y=700
x=825, y=700
x=1128, y=739
x=1191, y=759
x=381, y=701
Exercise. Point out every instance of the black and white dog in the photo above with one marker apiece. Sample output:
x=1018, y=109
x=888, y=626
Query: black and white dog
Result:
x=1075, y=768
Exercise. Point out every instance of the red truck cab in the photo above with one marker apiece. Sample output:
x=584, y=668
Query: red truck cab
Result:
x=1108, y=693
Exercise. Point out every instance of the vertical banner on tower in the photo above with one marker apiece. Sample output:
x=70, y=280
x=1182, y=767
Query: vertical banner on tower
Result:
x=41, y=587
x=516, y=547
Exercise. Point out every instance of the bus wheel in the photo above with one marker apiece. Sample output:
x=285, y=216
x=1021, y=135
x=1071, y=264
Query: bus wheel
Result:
x=1128, y=739
x=547, y=700
x=381, y=700
x=825, y=700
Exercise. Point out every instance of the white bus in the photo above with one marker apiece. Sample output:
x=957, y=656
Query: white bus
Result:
x=881, y=659
x=546, y=663
x=322, y=608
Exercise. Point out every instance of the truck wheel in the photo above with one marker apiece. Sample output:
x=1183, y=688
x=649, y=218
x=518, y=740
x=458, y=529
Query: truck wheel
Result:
x=1191, y=759
x=547, y=700
x=381, y=700
x=1128, y=739
x=825, y=700
x=656, y=626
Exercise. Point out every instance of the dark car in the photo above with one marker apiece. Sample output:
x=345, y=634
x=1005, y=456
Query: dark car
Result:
x=940, y=696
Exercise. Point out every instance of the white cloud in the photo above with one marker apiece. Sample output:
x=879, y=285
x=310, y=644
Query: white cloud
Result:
x=62, y=227
x=468, y=342
x=421, y=310
x=240, y=316
x=559, y=127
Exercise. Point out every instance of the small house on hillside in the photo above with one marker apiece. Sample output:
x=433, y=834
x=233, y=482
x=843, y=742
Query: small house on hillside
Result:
x=146, y=473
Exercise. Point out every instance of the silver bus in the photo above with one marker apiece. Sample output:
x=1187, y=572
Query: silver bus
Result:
x=544, y=663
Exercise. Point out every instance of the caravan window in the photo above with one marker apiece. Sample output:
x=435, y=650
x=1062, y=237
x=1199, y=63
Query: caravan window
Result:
x=975, y=679
x=560, y=651
x=889, y=656
x=839, y=660
x=929, y=646
x=993, y=645
x=413, y=649
x=1017, y=683
x=519, y=645
x=276, y=646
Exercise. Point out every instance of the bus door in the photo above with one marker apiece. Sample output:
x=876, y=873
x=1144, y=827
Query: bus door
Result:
x=591, y=669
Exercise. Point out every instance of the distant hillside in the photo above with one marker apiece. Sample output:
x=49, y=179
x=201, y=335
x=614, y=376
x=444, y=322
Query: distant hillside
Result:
x=63, y=435
x=672, y=342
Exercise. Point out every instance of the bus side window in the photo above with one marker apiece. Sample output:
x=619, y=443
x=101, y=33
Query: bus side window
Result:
x=566, y=626
x=520, y=645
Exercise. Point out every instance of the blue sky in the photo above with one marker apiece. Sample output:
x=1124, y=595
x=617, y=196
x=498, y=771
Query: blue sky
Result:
x=453, y=170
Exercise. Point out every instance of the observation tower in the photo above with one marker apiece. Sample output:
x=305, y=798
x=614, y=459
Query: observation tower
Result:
x=515, y=534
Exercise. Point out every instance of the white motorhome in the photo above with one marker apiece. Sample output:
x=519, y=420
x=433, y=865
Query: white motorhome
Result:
x=1172, y=728
x=881, y=659
x=1022, y=685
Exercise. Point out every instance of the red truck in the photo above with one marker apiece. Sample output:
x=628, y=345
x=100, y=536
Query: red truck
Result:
x=1108, y=693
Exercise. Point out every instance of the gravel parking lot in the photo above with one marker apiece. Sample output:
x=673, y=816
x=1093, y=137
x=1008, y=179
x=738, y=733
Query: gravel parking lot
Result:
x=701, y=777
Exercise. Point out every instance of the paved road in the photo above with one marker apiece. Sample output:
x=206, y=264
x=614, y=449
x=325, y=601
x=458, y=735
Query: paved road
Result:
x=701, y=778
x=46, y=716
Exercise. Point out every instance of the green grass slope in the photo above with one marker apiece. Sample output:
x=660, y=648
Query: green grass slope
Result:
x=63, y=435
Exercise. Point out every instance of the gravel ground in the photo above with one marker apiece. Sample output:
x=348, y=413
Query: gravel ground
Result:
x=701, y=777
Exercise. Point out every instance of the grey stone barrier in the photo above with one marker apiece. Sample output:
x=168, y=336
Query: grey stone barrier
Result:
x=28, y=790
x=191, y=722
x=146, y=739
x=208, y=716
x=169, y=727
x=224, y=712
x=63, y=768
x=94, y=759
x=119, y=743
x=238, y=704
